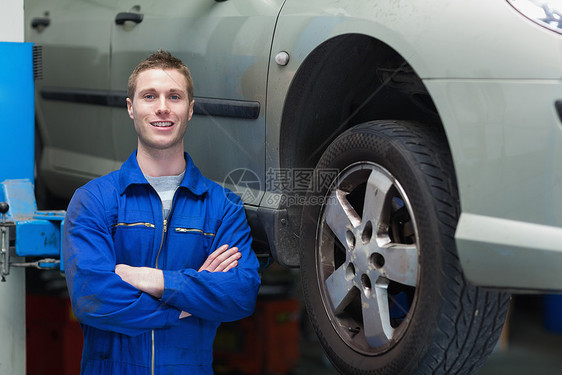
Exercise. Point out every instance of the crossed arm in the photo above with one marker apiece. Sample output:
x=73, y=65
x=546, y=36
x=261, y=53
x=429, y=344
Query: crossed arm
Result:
x=151, y=280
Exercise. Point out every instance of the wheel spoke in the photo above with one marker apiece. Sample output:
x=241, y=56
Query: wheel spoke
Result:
x=341, y=216
x=376, y=314
x=376, y=196
x=339, y=287
x=400, y=263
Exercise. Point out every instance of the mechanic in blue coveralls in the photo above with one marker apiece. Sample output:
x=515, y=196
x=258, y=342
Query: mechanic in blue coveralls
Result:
x=156, y=255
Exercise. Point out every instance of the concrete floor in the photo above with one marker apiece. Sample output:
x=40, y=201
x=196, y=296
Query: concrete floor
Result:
x=527, y=349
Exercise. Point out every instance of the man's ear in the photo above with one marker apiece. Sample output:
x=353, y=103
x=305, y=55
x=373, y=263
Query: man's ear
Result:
x=130, y=108
x=190, y=113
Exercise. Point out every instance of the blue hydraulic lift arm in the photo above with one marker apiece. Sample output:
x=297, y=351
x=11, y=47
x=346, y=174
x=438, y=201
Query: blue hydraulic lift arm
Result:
x=24, y=231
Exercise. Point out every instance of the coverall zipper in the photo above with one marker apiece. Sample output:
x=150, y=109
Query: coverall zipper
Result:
x=164, y=230
x=149, y=225
x=186, y=230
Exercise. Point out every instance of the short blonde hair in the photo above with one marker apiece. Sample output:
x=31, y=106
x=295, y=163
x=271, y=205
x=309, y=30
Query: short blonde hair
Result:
x=160, y=60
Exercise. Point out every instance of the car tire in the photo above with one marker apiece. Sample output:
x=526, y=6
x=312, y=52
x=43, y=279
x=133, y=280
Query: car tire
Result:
x=380, y=273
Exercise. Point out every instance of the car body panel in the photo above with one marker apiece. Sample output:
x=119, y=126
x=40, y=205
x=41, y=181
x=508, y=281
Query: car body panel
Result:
x=507, y=146
x=510, y=254
x=74, y=127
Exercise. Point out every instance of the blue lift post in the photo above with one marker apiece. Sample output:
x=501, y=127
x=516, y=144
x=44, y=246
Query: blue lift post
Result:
x=24, y=231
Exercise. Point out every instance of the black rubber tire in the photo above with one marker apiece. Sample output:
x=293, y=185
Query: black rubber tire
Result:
x=451, y=326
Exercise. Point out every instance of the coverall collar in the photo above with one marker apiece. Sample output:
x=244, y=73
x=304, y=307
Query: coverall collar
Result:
x=131, y=174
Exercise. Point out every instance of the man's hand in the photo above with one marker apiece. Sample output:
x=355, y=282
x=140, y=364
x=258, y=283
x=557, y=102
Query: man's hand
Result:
x=145, y=279
x=221, y=260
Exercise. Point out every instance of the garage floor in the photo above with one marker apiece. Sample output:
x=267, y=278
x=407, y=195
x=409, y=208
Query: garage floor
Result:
x=529, y=349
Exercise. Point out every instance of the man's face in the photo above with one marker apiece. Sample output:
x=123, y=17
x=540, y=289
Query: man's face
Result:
x=160, y=109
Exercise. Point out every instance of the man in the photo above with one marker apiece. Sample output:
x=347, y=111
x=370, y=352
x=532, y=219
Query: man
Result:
x=156, y=255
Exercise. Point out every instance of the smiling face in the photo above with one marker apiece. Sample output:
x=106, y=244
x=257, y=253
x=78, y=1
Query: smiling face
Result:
x=160, y=109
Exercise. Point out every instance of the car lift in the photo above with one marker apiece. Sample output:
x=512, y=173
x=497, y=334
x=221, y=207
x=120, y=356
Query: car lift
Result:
x=28, y=237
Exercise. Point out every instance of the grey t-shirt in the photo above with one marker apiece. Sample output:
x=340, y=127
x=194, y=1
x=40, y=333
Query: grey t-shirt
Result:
x=165, y=186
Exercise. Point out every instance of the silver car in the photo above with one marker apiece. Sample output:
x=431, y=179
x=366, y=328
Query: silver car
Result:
x=406, y=155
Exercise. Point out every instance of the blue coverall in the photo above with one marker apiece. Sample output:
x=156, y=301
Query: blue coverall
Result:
x=118, y=219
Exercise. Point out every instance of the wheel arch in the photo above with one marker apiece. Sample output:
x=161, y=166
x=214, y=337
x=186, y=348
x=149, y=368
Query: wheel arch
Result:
x=347, y=80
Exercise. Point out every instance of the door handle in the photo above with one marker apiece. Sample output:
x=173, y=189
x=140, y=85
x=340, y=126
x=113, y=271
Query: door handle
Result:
x=38, y=22
x=128, y=16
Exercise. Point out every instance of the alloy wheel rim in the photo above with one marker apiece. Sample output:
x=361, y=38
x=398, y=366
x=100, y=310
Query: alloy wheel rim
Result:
x=367, y=258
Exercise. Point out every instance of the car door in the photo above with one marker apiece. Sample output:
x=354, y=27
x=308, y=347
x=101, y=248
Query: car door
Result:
x=226, y=45
x=73, y=119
